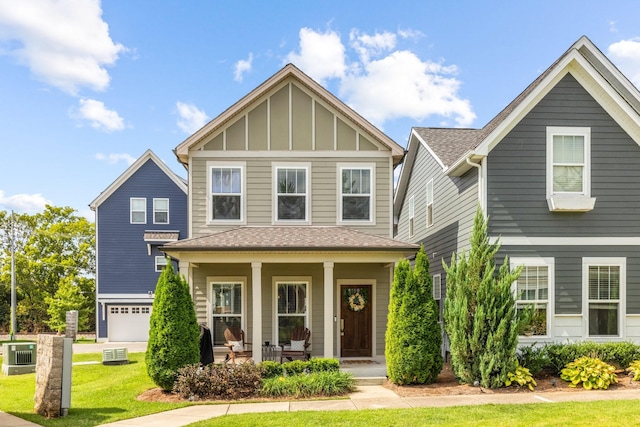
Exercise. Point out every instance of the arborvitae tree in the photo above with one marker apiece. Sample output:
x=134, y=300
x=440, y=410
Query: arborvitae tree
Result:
x=480, y=312
x=413, y=336
x=174, y=334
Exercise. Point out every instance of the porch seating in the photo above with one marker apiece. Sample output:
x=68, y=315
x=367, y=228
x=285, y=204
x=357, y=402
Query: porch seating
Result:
x=298, y=347
x=238, y=347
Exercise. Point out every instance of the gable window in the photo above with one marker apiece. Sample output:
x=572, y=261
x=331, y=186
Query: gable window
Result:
x=356, y=193
x=605, y=282
x=227, y=193
x=138, y=210
x=429, y=203
x=161, y=263
x=569, y=169
x=161, y=211
x=534, y=295
x=411, y=215
x=291, y=307
x=292, y=185
x=226, y=306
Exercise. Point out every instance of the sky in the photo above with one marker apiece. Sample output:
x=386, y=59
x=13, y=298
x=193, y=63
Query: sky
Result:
x=86, y=87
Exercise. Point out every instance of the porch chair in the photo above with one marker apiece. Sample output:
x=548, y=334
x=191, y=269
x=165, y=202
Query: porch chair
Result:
x=298, y=347
x=238, y=347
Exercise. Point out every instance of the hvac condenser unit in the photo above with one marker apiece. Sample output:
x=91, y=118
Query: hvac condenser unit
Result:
x=115, y=356
x=18, y=358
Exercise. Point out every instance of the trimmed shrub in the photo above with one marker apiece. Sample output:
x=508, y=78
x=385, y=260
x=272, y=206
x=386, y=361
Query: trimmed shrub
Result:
x=174, y=334
x=325, y=383
x=295, y=367
x=195, y=382
x=534, y=358
x=618, y=353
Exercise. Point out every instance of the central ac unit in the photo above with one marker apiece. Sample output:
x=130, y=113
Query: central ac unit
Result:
x=115, y=356
x=19, y=358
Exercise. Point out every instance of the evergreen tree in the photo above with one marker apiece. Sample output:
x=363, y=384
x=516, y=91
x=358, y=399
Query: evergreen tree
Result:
x=413, y=336
x=480, y=312
x=174, y=334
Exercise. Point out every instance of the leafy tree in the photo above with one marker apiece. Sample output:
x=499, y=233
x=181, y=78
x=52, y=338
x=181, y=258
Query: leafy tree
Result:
x=68, y=297
x=480, y=312
x=174, y=334
x=413, y=336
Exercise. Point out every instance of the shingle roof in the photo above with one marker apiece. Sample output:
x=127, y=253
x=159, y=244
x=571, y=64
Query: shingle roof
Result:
x=291, y=238
x=449, y=144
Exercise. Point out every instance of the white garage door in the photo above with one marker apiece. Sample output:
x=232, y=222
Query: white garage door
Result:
x=129, y=322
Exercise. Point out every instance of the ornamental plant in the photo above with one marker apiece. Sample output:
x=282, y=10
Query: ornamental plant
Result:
x=592, y=372
x=634, y=370
x=521, y=377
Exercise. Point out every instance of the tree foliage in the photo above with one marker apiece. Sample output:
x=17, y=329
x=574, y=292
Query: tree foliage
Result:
x=480, y=312
x=52, y=248
x=174, y=334
x=413, y=336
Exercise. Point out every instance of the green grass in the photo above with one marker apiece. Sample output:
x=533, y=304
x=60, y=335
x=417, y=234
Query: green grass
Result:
x=603, y=413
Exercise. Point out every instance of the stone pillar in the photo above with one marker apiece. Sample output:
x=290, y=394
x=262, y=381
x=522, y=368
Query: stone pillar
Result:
x=50, y=376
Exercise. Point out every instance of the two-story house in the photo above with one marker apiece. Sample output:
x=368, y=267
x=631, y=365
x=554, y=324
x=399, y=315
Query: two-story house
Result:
x=144, y=208
x=290, y=214
x=558, y=174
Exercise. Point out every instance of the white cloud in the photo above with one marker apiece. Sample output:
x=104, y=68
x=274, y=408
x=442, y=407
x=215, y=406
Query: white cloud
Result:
x=114, y=158
x=24, y=203
x=372, y=45
x=99, y=116
x=64, y=43
x=191, y=118
x=322, y=55
x=242, y=66
x=626, y=55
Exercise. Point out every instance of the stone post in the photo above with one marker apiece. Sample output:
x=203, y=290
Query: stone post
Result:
x=50, y=375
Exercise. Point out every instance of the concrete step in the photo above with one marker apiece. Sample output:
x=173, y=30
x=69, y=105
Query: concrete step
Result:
x=370, y=380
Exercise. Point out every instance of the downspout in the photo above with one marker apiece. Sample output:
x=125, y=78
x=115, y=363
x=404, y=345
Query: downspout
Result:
x=480, y=184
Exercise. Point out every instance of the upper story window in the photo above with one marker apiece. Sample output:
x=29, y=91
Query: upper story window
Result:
x=356, y=193
x=411, y=215
x=161, y=263
x=292, y=193
x=569, y=169
x=138, y=210
x=161, y=211
x=227, y=192
x=429, y=192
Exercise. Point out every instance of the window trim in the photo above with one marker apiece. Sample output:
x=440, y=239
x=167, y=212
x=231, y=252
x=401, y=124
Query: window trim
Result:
x=160, y=265
x=620, y=262
x=307, y=209
x=243, y=192
x=276, y=280
x=372, y=192
x=538, y=262
x=411, y=209
x=438, y=294
x=155, y=210
x=429, y=203
x=131, y=221
x=227, y=280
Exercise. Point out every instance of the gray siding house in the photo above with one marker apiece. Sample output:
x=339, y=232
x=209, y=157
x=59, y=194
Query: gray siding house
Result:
x=290, y=215
x=558, y=174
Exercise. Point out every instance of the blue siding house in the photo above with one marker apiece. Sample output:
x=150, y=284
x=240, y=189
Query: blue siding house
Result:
x=558, y=174
x=143, y=209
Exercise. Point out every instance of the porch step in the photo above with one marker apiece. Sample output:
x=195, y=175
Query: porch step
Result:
x=370, y=380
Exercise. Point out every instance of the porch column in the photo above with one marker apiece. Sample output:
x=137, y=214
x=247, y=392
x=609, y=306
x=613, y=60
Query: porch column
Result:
x=184, y=269
x=256, y=293
x=329, y=327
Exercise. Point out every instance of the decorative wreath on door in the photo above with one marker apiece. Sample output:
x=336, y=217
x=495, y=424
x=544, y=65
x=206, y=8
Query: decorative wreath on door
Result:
x=356, y=299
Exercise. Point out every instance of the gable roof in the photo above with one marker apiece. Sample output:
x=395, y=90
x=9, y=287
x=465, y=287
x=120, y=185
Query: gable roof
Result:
x=288, y=71
x=147, y=155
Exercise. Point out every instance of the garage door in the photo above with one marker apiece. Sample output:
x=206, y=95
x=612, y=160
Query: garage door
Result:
x=129, y=322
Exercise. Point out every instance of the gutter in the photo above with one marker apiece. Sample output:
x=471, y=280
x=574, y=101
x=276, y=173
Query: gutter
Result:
x=481, y=185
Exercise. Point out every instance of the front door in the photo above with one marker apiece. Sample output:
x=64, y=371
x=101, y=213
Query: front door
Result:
x=355, y=321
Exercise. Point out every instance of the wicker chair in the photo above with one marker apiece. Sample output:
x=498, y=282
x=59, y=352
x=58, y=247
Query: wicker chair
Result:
x=298, y=347
x=238, y=347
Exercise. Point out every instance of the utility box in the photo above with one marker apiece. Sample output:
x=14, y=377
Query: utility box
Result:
x=19, y=358
x=115, y=356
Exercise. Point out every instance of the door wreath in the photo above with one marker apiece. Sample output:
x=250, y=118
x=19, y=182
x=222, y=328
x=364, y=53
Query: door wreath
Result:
x=356, y=299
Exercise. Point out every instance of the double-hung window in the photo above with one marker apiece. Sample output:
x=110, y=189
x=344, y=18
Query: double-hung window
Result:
x=291, y=307
x=226, y=306
x=605, y=282
x=161, y=211
x=292, y=191
x=161, y=263
x=138, y=210
x=356, y=193
x=227, y=189
x=411, y=215
x=534, y=295
x=429, y=194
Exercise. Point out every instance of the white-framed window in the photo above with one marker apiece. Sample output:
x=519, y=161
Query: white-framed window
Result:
x=604, y=293
x=160, y=211
x=436, y=284
x=534, y=291
x=292, y=304
x=429, y=193
x=291, y=199
x=356, y=192
x=411, y=215
x=161, y=263
x=227, y=189
x=138, y=210
x=227, y=305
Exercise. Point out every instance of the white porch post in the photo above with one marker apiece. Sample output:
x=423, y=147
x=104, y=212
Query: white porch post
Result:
x=256, y=293
x=329, y=327
x=185, y=271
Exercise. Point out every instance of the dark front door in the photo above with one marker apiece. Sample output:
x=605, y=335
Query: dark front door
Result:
x=355, y=321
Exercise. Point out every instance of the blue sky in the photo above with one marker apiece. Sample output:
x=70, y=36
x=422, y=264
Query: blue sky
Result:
x=87, y=86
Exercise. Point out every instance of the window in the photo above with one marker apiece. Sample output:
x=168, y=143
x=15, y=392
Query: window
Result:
x=605, y=281
x=291, y=303
x=356, y=194
x=227, y=308
x=291, y=194
x=161, y=263
x=437, y=293
x=534, y=295
x=411, y=215
x=429, y=203
x=161, y=211
x=227, y=193
x=138, y=208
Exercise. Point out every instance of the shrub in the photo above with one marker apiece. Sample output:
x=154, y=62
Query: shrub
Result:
x=634, y=370
x=174, y=334
x=521, y=377
x=270, y=368
x=534, y=358
x=325, y=383
x=618, y=353
x=295, y=367
x=224, y=381
x=593, y=373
